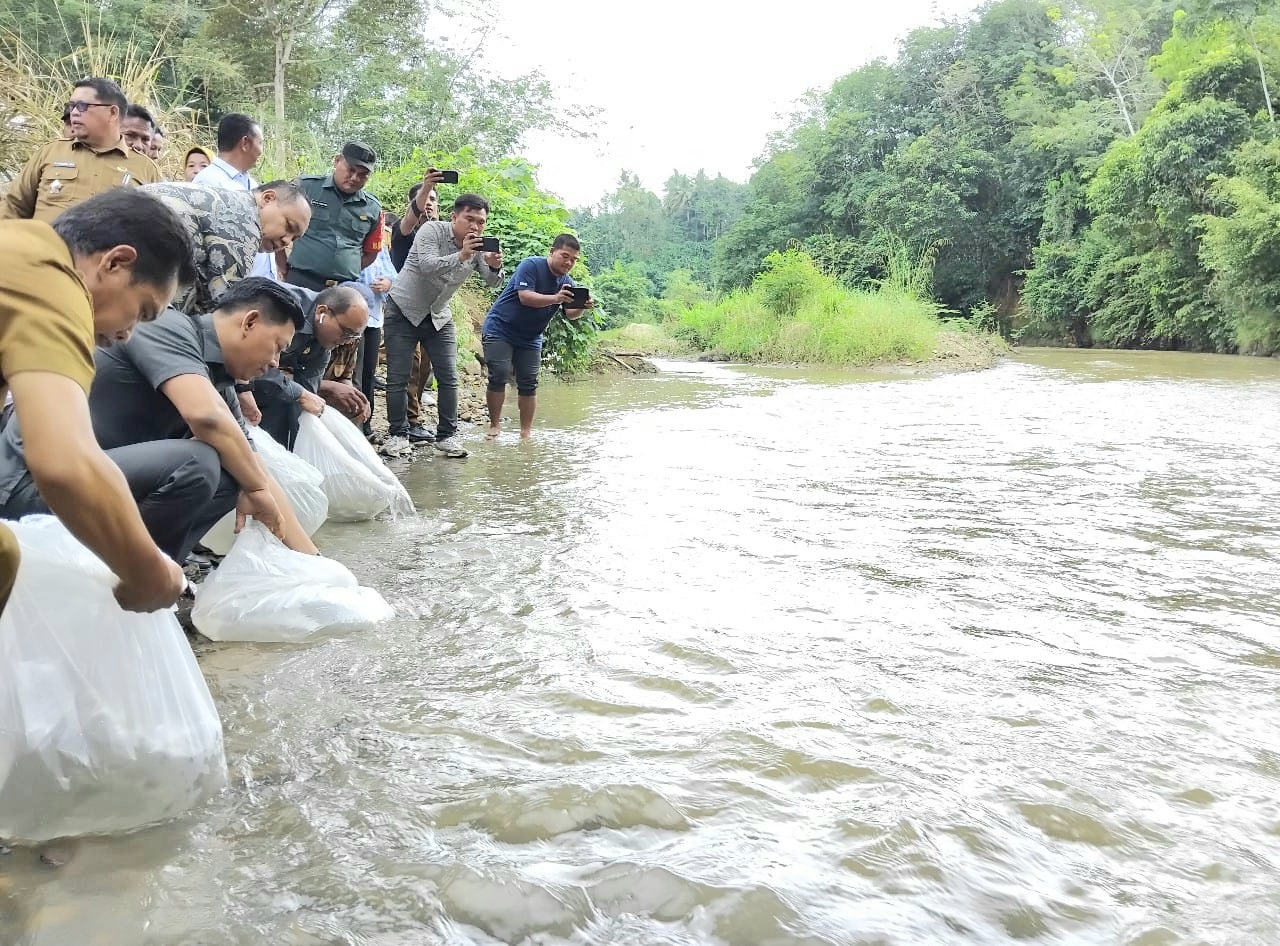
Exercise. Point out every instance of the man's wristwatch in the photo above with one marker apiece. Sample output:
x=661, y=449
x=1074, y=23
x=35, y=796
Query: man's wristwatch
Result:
x=243, y=388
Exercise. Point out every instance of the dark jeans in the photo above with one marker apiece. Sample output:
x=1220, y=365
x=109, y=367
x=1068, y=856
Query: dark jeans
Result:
x=280, y=416
x=501, y=355
x=367, y=361
x=402, y=336
x=179, y=485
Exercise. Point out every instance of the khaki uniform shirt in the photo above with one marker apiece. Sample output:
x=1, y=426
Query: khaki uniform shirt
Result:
x=65, y=172
x=46, y=324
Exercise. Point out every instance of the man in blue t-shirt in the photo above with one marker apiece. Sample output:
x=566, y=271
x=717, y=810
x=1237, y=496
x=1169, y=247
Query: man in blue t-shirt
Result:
x=513, y=328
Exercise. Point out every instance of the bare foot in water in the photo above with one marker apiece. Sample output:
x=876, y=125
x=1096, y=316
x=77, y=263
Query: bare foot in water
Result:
x=526, y=435
x=492, y=435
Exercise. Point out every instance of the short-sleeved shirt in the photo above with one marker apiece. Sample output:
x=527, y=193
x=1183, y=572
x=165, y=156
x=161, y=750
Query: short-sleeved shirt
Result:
x=46, y=323
x=46, y=313
x=340, y=224
x=125, y=401
x=516, y=323
x=226, y=235
x=66, y=172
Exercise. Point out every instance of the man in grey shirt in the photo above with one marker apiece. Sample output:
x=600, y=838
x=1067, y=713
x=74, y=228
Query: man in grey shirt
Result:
x=417, y=310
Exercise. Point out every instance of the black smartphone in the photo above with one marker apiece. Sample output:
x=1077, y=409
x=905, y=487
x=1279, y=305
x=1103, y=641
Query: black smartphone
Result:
x=580, y=296
x=491, y=245
x=450, y=177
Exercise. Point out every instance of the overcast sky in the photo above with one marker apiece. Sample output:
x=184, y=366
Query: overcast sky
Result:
x=687, y=84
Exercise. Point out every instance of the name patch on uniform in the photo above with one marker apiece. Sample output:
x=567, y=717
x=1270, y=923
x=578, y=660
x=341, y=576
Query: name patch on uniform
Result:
x=64, y=164
x=318, y=203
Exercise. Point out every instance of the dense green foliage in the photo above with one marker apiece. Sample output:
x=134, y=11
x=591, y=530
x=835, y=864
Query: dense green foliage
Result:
x=317, y=71
x=1091, y=172
x=794, y=312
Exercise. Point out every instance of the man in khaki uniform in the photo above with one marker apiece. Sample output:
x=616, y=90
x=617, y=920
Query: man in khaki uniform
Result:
x=67, y=171
x=109, y=262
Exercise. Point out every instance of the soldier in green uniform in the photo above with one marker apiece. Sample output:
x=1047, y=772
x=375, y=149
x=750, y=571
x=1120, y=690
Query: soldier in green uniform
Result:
x=345, y=234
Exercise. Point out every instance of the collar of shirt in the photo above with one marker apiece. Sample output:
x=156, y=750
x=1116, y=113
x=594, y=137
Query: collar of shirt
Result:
x=233, y=173
x=211, y=349
x=331, y=184
x=118, y=146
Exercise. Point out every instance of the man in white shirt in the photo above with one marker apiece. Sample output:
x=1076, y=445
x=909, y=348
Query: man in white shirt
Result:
x=240, y=149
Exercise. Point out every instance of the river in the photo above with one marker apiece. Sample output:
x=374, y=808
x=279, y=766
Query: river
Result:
x=757, y=657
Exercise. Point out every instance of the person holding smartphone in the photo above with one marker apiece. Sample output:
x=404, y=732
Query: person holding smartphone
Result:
x=514, y=328
x=444, y=255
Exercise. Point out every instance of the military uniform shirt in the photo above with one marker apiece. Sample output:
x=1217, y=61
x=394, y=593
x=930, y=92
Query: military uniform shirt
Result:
x=340, y=223
x=66, y=172
x=226, y=235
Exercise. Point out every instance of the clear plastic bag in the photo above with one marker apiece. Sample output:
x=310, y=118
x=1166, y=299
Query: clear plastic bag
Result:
x=355, y=492
x=266, y=592
x=358, y=448
x=106, y=723
x=301, y=482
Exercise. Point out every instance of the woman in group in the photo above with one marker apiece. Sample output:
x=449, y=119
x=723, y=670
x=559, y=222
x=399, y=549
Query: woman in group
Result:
x=197, y=160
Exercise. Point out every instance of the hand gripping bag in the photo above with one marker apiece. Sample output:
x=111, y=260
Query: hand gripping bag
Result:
x=355, y=493
x=358, y=448
x=106, y=723
x=266, y=592
x=301, y=482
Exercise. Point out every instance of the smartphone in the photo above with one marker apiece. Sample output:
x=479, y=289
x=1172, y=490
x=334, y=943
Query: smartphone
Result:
x=491, y=245
x=580, y=296
x=450, y=177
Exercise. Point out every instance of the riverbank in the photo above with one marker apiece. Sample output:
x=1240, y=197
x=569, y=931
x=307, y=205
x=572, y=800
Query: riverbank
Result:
x=953, y=350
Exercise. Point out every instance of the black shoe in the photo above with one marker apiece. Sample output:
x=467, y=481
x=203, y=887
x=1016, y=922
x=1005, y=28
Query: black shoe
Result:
x=420, y=434
x=379, y=384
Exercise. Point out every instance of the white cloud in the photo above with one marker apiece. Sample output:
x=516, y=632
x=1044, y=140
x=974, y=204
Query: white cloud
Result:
x=689, y=85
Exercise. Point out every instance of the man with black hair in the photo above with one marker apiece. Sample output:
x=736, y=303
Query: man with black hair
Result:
x=335, y=316
x=105, y=264
x=167, y=398
x=158, y=140
x=240, y=147
x=138, y=127
x=513, y=329
x=417, y=310
x=96, y=157
x=229, y=228
x=424, y=207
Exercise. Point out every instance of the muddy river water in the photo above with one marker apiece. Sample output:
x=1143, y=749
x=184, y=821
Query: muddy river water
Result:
x=759, y=657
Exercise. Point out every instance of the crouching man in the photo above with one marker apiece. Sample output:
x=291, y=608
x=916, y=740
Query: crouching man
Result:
x=334, y=317
x=164, y=409
x=103, y=265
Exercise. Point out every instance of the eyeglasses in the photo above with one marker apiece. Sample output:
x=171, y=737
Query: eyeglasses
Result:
x=85, y=106
x=348, y=335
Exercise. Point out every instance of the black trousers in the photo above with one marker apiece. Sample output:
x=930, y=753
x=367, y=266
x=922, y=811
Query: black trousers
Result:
x=367, y=361
x=179, y=486
x=279, y=416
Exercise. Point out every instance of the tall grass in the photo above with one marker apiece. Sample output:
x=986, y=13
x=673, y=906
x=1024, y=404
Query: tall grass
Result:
x=794, y=312
x=34, y=87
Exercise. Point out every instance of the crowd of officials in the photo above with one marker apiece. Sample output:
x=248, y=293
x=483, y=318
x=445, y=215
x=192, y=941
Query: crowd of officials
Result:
x=144, y=323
